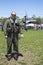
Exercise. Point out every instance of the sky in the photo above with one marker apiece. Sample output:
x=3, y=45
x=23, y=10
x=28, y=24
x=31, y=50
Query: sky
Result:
x=21, y=7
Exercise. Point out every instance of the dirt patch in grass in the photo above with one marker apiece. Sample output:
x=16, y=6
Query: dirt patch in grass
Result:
x=27, y=59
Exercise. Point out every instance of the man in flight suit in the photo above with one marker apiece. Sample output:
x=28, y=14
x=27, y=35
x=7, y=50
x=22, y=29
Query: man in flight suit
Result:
x=11, y=31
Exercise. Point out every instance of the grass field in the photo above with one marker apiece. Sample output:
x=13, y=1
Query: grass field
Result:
x=31, y=46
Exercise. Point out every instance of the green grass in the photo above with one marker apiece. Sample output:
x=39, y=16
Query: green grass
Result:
x=32, y=43
x=2, y=42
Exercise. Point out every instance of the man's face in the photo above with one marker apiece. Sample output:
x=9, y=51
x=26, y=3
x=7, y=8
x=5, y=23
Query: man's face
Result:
x=13, y=17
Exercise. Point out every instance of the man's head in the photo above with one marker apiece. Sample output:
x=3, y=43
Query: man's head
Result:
x=13, y=15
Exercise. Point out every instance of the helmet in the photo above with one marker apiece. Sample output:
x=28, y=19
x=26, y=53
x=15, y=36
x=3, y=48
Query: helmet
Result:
x=13, y=13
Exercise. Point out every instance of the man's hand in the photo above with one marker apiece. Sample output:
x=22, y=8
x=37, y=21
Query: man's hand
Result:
x=22, y=35
x=6, y=36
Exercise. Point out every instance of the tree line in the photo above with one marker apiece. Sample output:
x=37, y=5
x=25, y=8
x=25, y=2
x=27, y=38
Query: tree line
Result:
x=38, y=19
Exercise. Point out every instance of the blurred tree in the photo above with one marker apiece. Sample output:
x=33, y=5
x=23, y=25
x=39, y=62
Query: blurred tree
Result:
x=17, y=17
x=33, y=17
x=2, y=19
x=38, y=20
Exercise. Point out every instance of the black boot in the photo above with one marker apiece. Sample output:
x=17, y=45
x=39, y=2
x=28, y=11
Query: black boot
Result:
x=15, y=56
x=8, y=57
